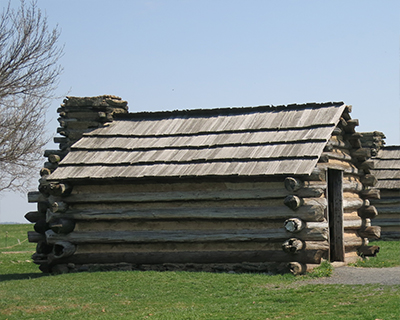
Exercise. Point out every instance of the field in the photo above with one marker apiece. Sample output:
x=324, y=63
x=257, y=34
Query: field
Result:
x=26, y=293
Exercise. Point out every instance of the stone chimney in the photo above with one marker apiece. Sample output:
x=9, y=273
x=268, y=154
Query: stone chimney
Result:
x=79, y=115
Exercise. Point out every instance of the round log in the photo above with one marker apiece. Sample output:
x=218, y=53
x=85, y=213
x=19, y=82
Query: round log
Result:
x=369, y=180
x=293, y=184
x=370, y=194
x=367, y=165
x=45, y=172
x=361, y=154
x=297, y=268
x=35, y=216
x=368, y=251
x=294, y=225
x=59, y=189
x=54, y=158
x=43, y=248
x=42, y=206
x=373, y=232
x=41, y=226
x=369, y=212
x=225, y=256
x=35, y=237
x=292, y=245
x=59, y=206
x=63, y=249
x=293, y=202
x=63, y=226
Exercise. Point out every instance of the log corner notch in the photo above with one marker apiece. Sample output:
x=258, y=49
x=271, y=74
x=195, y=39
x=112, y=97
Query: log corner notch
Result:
x=372, y=232
x=78, y=115
x=59, y=189
x=368, y=251
x=370, y=193
x=292, y=245
x=367, y=212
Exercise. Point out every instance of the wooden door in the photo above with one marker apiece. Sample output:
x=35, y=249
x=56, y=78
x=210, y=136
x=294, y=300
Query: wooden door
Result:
x=335, y=214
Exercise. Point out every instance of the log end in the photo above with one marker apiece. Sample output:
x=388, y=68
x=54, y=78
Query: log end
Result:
x=292, y=245
x=294, y=225
x=368, y=251
x=297, y=268
x=293, y=202
x=293, y=184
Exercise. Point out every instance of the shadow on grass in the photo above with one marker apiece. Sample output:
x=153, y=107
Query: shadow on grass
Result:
x=22, y=276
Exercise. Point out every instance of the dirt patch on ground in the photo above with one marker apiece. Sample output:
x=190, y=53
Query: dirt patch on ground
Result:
x=7, y=252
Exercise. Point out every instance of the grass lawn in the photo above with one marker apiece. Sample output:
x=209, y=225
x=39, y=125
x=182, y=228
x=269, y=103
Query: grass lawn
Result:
x=26, y=293
x=388, y=256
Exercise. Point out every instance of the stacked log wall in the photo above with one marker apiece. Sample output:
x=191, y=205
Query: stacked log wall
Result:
x=180, y=223
x=388, y=219
x=345, y=151
x=388, y=201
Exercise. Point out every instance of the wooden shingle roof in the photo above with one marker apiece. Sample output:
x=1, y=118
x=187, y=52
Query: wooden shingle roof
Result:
x=387, y=168
x=250, y=141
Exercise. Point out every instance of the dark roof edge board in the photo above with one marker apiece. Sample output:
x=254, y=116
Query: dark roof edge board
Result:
x=195, y=161
x=223, y=111
x=200, y=147
x=391, y=147
x=198, y=133
x=176, y=179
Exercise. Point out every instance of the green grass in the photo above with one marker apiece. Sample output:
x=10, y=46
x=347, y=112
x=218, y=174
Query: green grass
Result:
x=26, y=293
x=388, y=256
x=184, y=295
x=13, y=237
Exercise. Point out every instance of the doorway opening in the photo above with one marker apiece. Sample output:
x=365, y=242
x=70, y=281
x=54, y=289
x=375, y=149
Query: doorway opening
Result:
x=335, y=214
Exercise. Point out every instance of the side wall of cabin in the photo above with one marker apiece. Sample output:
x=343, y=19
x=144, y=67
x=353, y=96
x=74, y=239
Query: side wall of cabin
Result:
x=274, y=224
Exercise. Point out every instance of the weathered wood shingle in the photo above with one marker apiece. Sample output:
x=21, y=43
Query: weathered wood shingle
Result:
x=256, y=141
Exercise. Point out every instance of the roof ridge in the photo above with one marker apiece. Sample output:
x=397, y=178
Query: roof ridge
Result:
x=223, y=110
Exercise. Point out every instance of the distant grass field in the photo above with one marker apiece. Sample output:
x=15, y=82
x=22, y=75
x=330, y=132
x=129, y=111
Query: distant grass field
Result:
x=26, y=293
x=13, y=237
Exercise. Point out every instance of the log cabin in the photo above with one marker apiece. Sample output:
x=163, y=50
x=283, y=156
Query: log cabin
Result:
x=267, y=189
x=387, y=171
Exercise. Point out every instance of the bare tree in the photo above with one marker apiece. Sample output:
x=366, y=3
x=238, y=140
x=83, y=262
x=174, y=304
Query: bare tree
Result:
x=29, y=73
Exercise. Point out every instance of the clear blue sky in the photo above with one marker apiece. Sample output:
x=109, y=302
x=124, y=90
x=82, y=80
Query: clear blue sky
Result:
x=182, y=54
